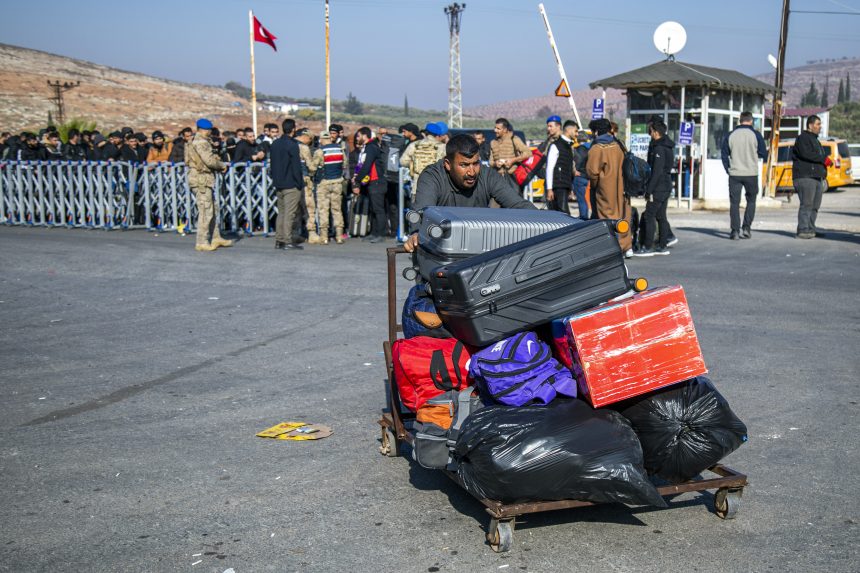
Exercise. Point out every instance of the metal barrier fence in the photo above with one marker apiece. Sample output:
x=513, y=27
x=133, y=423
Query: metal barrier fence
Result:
x=120, y=195
x=111, y=195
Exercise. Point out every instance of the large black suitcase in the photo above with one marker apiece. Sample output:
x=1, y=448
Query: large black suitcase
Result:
x=450, y=234
x=512, y=289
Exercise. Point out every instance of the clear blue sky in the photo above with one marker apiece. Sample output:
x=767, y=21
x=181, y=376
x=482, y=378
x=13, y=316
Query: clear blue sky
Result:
x=383, y=49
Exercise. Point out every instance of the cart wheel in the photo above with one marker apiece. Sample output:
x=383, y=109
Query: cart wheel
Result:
x=501, y=535
x=727, y=502
x=389, y=444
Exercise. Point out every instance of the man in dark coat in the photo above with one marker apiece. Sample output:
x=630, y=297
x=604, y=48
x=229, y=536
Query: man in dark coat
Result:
x=809, y=174
x=286, y=167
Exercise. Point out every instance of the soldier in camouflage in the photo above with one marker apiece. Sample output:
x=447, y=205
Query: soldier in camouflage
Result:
x=201, y=164
x=309, y=168
x=335, y=169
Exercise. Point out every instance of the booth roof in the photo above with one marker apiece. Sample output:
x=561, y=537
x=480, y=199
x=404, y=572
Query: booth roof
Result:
x=670, y=73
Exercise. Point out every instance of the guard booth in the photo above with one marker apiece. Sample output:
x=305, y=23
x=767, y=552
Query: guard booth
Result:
x=711, y=98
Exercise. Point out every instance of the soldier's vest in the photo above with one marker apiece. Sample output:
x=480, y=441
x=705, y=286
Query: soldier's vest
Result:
x=332, y=161
x=425, y=154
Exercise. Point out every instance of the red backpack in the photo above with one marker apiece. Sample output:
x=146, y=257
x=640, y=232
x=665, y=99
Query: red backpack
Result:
x=525, y=169
x=426, y=367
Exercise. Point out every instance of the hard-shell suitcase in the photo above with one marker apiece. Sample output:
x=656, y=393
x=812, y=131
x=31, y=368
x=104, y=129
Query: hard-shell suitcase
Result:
x=359, y=216
x=449, y=234
x=493, y=295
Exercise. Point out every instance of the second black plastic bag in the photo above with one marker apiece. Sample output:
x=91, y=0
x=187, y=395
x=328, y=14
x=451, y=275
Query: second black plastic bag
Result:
x=684, y=429
x=565, y=450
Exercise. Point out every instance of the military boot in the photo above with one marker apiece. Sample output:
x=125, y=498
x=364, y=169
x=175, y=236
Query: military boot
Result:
x=313, y=238
x=221, y=242
x=205, y=248
x=338, y=236
x=323, y=236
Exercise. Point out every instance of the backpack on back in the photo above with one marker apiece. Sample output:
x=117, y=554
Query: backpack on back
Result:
x=425, y=154
x=636, y=173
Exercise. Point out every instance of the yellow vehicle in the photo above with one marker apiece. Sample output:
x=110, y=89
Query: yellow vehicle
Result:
x=839, y=173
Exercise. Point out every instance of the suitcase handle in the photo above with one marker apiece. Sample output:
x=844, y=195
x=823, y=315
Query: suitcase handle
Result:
x=539, y=272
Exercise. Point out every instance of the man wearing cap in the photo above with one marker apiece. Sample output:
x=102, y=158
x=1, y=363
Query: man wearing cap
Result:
x=559, y=166
x=160, y=149
x=286, y=167
x=309, y=168
x=507, y=150
x=202, y=164
x=335, y=167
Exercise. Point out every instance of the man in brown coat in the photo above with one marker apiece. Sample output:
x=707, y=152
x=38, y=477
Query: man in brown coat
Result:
x=604, y=169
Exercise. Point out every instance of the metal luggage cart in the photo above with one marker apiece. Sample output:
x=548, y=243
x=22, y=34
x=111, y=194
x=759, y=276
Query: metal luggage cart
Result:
x=728, y=483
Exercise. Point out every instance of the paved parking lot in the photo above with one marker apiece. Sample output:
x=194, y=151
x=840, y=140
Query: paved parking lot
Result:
x=134, y=373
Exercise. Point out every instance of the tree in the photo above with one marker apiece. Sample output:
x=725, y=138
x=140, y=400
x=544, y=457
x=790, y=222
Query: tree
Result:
x=825, y=101
x=848, y=86
x=405, y=105
x=543, y=112
x=840, y=96
x=810, y=98
x=352, y=105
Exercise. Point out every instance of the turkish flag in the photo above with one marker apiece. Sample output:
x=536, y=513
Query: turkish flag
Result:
x=263, y=35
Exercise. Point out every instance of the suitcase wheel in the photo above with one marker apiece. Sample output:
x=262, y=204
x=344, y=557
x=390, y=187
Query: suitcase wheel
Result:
x=640, y=284
x=622, y=226
x=413, y=217
x=410, y=273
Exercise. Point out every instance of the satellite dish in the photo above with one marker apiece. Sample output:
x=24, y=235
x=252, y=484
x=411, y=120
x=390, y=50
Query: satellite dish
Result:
x=771, y=59
x=670, y=38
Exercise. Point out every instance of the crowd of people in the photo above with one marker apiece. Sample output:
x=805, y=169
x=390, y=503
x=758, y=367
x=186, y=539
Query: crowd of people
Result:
x=445, y=168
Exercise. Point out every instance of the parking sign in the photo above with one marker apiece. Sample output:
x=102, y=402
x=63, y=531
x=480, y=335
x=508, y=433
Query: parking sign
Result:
x=597, y=109
x=685, y=137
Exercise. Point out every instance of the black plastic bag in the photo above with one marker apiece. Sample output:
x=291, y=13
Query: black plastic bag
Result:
x=566, y=450
x=684, y=429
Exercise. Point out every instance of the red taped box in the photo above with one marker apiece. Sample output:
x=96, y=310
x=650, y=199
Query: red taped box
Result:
x=633, y=346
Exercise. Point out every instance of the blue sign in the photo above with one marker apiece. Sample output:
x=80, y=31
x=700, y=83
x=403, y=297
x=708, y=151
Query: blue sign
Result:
x=688, y=128
x=597, y=109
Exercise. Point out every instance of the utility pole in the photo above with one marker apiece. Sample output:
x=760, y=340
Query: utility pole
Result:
x=327, y=71
x=59, y=90
x=455, y=91
x=777, y=102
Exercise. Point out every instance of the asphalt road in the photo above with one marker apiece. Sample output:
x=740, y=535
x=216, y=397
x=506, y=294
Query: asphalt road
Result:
x=134, y=373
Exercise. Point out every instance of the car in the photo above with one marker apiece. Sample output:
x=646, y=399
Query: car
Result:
x=839, y=174
x=854, y=151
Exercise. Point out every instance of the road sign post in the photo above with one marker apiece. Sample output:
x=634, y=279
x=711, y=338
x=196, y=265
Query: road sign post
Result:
x=598, y=108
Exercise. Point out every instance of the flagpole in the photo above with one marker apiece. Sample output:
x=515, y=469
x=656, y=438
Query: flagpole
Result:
x=253, y=78
x=558, y=61
x=327, y=72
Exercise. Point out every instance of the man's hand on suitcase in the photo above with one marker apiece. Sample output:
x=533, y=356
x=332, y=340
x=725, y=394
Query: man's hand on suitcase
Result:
x=411, y=243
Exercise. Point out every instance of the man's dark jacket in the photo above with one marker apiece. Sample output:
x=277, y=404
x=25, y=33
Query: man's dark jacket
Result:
x=177, y=152
x=562, y=173
x=75, y=152
x=286, y=164
x=808, y=157
x=373, y=157
x=661, y=158
x=245, y=152
x=436, y=189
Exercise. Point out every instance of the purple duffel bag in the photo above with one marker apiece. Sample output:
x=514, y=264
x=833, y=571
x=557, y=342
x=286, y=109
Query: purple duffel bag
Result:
x=520, y=370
